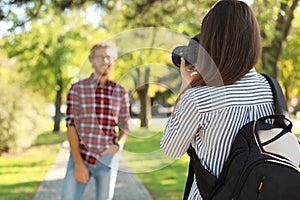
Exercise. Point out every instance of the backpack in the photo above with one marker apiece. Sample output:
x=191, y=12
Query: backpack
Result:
x=250, y=171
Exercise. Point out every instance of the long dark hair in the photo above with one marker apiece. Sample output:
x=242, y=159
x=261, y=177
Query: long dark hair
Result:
x=230, y=43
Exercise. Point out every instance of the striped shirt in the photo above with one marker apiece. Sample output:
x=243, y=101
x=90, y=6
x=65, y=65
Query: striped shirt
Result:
x=95, y=110
x=210, y=117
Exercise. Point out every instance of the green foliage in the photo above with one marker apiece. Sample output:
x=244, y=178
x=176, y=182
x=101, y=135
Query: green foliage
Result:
x=289, y=64
x=179, y=15
x=275, y=22
x=22, y=116
x=18, y=13
x=50, y=52
x=266, y=16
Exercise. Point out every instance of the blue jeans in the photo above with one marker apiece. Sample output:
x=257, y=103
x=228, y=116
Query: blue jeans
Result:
x=104, y=174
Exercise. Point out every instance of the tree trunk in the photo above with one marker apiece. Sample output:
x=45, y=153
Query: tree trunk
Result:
x=271, y=54
x=58, y=99
x=145, y=106
x=145, y=112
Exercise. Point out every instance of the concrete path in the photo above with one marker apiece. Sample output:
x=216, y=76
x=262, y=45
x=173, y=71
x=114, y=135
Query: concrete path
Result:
x=128, y=186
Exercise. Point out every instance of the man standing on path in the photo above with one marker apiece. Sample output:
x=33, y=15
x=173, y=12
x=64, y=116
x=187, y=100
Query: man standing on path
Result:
x=95, y=106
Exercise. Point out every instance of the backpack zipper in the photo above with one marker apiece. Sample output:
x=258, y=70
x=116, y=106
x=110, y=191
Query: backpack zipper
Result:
x=240, y=182
x=261, y=184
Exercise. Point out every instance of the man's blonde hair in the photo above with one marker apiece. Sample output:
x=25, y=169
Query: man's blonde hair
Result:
x=104, y=45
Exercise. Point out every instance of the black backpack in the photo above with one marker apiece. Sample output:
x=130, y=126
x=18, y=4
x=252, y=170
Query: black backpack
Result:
x=250, y=172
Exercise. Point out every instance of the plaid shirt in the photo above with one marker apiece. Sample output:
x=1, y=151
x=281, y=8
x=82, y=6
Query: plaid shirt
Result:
x=95, y=110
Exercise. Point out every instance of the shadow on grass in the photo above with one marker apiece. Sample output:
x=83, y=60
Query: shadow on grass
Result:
x=23, y=191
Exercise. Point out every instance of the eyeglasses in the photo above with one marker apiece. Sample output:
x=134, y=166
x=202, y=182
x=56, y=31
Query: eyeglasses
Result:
x=103, y=58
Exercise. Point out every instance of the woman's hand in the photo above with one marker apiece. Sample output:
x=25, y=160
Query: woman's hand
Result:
x=187, y=75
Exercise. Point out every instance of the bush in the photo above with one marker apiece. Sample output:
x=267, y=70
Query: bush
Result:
x=22, y=117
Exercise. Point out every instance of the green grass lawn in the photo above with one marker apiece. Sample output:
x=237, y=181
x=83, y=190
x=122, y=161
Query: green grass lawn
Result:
x=21, y=173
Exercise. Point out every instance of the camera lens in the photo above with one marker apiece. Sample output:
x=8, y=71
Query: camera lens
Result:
x=189, y=53
x=177, y=54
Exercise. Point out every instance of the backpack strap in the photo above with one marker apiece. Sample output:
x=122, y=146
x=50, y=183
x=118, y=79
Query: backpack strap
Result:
x=206, y=182
x=189, y=181
x=279, y=100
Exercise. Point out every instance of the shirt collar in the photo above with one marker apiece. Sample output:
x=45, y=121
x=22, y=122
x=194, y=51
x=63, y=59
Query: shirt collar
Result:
x=95, y=81
x=252, y=72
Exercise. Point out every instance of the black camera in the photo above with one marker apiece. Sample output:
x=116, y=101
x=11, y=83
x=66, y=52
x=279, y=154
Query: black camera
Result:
x=189, y=53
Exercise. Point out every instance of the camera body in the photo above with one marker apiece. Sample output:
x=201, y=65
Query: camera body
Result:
x=189, y=53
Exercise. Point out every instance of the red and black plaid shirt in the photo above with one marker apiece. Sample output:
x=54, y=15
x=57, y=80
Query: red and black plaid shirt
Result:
x=95, y=110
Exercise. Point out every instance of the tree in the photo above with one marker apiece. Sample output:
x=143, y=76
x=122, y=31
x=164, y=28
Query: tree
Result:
x=183, y=16
x=49, y=53
x=289, y=63
x=143, y=57
x=18, y=13
x=276, y=24
x=147, y=13
x=167, y=14
x=280, y=36
x=22, y=112
x=141, y=13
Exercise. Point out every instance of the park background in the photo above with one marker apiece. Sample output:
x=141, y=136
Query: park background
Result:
x=44, y=47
